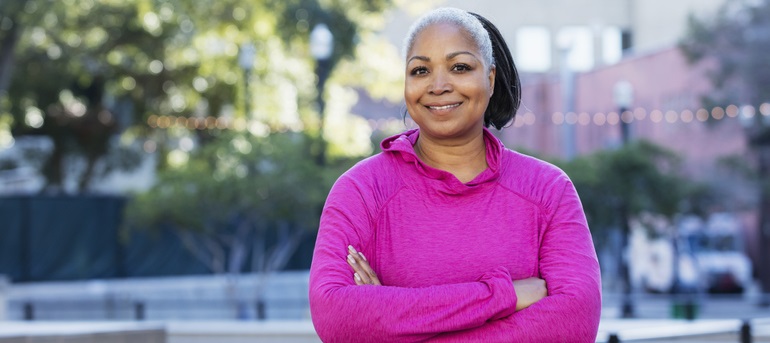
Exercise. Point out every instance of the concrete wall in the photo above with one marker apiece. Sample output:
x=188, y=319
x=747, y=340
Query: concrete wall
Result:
x=3, y=298
x=205, y=297
x=235, y=332
x=23, y=332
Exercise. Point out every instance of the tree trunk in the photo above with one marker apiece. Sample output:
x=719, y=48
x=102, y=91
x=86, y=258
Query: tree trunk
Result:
x=85, y=179
x=52, y=168
x=7, y=48
x=764, y=218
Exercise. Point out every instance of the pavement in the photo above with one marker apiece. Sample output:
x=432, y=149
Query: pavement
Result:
x=718, y=318
x=662, y=306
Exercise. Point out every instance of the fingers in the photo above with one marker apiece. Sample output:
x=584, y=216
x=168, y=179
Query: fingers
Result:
x=529, y=291
x=369, y=271
x=363, y=274
x=360, y=274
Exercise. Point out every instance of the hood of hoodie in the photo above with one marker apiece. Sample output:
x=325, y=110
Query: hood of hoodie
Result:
x=402, y=146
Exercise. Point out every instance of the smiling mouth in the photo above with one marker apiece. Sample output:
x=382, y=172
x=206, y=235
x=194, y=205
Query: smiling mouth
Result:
x=445, y=107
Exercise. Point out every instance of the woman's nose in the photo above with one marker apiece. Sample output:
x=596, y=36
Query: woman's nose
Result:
x=440, y=83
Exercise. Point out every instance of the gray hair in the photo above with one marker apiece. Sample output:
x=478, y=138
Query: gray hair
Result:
x=463, y=19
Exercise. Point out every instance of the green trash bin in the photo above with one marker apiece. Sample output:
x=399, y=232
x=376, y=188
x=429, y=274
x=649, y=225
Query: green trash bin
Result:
x=684, y=308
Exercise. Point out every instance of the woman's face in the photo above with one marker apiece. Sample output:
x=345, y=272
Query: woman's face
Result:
x=447, y=86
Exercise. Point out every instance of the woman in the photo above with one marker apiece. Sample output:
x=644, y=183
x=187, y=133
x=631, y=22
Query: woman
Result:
x=447, y=235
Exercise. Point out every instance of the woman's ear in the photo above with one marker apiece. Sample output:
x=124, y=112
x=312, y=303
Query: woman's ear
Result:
x=492, y=73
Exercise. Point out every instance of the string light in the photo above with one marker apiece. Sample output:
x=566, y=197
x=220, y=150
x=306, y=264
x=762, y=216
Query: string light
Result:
x=640, y=113
x=627, y=117
x=656, y=116
x=557, y=118
x=529, y=118
x=525, y=119
x=164, y=122
x=718, y=113
x=748, y=111
x=765, y=109
x=584, y=118
x=600, y=119
x=570, y=118
x=191, y=123
x=200, y=124
x=687, y=116
x=672, y=116
x=222, y=123
x=702, y=115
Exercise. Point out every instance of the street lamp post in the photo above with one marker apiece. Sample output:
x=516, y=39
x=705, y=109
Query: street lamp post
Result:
x=246, y=61
x=567, y=80
x=321, y=47
x=623, y=94
x=757, y=126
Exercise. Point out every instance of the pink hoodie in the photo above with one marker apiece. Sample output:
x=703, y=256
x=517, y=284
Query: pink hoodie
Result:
x=447, y=252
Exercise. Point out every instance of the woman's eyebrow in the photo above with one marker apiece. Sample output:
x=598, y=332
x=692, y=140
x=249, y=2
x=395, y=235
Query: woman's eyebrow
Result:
x=457, y=53
x=421, y=58
x=449, y=56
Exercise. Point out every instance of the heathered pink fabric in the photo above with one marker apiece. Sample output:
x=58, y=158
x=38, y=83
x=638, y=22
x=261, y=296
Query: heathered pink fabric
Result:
x=447, y=252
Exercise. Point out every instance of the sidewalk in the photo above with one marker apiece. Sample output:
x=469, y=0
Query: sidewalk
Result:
x=679, y=330
x=627, y=330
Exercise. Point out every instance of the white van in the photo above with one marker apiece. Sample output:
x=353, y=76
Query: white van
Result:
x=720, y=254
x=701, y=256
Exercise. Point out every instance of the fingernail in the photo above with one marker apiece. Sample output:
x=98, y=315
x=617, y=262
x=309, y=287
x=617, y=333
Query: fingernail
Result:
x=356, y=276
x=351, y=259
x=362, y=256
x=352, y=250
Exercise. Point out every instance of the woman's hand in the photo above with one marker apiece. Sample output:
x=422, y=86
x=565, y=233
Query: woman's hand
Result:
x=362, y=272
x=529, y=291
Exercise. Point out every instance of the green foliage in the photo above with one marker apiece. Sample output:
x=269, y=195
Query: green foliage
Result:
x=737, y=38
x=237, y=196
x=87, y=70
x=239, y=177
x=641, y=176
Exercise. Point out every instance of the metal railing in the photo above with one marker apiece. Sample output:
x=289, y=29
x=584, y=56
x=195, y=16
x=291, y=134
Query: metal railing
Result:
x=156, y=309
x=727, y=330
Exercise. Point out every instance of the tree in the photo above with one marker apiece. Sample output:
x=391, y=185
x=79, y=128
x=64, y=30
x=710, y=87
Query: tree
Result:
x=640, y=176
x=618, y=186
x=80, y=73
x=242, y=203
x=737, y=40
x=102, y=76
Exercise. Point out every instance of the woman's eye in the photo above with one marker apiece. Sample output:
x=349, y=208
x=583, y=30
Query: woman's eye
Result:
x=419, y=71
x=461, y=67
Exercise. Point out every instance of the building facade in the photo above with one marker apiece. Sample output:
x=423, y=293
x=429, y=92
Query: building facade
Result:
x=596, y=32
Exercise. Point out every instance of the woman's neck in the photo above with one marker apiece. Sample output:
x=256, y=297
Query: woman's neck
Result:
x=465, y=159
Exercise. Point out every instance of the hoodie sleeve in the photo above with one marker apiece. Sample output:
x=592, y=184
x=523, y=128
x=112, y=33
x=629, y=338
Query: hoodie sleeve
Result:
x=344, y=312
x=568, y=263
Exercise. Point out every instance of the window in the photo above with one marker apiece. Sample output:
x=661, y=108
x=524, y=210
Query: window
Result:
x=579, y=43
x=533, y=49
x=612, y=45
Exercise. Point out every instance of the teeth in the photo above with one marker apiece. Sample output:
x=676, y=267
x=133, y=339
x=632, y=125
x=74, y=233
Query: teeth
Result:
x=443, y=107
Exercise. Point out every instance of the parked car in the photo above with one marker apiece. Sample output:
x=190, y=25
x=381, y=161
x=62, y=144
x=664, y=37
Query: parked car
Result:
x=695, y=256
x=720, y=254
